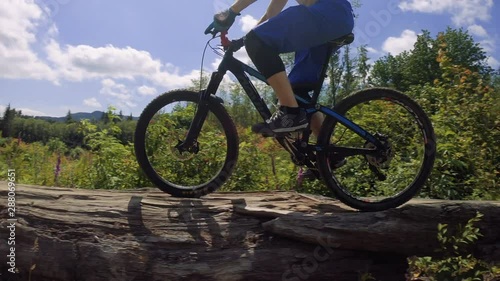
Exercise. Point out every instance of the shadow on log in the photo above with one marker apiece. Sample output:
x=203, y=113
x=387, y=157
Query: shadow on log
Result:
x=74, y=234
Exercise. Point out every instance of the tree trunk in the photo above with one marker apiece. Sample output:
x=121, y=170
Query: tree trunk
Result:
x=74, y=234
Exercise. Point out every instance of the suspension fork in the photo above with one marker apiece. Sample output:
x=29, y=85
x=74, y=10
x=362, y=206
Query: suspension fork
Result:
x=191, y=140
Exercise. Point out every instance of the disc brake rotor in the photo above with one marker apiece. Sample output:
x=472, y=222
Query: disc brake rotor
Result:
x=184, y=155
x=381, y=160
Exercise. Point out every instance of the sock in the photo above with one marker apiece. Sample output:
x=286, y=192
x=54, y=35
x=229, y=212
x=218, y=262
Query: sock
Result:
x=292, y=110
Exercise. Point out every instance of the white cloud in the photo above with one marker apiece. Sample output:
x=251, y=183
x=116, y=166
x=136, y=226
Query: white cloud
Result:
x=31, y=112
x=24, y=111
x=397, y=45
x=242, y=55
x=372, y=50
x=247, y=23
x=174, y=80
x=26, y=28
x=118, y=94
x=464, y=12
x=488, y=45
x=92, y=102
x=77, y=63
x=147, y=91
x=494, y=63
x=215, y=64
x=52, y=31
x=19, y=21
x=83, y=62
x=477, y=30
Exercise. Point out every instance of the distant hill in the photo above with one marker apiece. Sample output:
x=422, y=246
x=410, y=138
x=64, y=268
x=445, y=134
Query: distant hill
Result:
x=96, y=115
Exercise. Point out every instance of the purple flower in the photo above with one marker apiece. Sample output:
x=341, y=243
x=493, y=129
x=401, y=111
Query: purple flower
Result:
x=57, y=170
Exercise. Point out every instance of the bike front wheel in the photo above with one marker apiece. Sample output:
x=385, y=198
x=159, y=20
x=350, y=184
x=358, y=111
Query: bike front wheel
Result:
x=164, y=124
x=378, y=182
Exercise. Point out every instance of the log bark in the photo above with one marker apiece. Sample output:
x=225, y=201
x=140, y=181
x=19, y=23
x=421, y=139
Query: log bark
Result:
x=74, y=234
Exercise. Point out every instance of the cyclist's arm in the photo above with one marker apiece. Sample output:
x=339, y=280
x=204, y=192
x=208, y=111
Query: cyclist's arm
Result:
x=240, y=5
x=274, y=8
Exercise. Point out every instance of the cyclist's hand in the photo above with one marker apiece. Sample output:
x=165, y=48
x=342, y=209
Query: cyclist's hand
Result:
x=222, y=22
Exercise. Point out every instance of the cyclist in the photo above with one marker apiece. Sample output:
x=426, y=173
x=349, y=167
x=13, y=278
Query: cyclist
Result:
x=304, y=29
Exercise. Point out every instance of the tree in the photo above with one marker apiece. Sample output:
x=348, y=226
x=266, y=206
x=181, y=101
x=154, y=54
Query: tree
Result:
x=464, y=109
x=464, y=51
x=348, y=80
x=389, y=71
x=8, y=118
x=420, y=66
x=363, y=67
x=356, y=3
x=69, y=118
x=200, y=83
x=241, y=109
x=335, y=70
x=105, y=118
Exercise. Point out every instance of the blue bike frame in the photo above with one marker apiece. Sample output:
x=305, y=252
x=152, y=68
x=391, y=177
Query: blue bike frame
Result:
x=240, y=71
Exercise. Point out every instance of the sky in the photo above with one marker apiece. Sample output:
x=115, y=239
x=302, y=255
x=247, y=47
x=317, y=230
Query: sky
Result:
x=85, y=55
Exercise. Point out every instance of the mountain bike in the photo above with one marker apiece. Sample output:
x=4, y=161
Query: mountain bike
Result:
x=187, y=144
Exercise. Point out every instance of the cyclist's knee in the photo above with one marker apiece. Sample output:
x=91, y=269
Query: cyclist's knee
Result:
x=265, y=58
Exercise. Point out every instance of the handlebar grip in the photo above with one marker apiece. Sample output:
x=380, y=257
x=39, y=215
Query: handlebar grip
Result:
x=210, y=29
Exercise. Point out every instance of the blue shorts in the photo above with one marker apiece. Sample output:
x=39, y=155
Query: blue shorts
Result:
x=305, y=31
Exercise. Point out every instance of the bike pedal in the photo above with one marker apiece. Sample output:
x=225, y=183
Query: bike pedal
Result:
x=309, y=175
x=305, y=175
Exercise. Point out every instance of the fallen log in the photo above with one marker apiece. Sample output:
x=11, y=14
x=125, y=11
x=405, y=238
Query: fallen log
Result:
x=74, y=234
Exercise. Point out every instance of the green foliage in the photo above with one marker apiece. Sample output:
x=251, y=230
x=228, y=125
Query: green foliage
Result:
x=464, y=111
x=420, y=66
x=349, y=79
x=113, y=164
x=447, y=75
x=457, y=262
x=335, y=71
x=69, y=118
x=7, y=120
x=363, y=67
x=86, y=155
x=262, y=165
x=389, y=71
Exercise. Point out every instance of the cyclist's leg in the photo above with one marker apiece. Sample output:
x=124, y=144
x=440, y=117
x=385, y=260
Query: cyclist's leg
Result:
x=296, y=28
x=307, y=65
x=300, y=28
x=304, y=76
x=309, y=62
x=289, y=117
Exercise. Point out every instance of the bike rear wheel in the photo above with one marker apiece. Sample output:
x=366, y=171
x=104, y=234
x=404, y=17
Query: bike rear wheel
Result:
x=164, y=123
x=396, y=121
